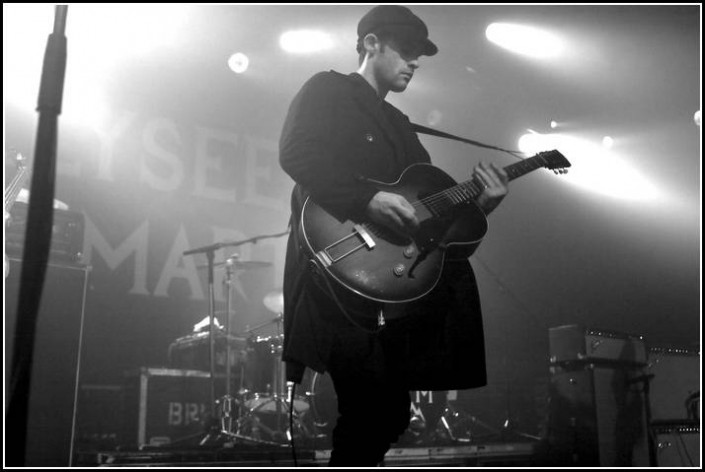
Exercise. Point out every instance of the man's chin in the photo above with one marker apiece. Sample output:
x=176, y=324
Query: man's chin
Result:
x=399, y=87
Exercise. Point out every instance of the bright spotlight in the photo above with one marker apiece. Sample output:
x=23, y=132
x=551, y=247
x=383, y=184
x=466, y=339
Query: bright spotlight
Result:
x=594, y=167
x=608, y=142
x=554, y=124
x=525, y=40
x=238, y=62
x=305, y=41
x=25, y=30
x=107, y=32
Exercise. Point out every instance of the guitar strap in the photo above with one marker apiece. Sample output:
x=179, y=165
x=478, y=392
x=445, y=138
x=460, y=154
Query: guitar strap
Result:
x=442, y=134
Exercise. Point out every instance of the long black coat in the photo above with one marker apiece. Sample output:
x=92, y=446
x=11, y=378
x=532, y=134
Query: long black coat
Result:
x=338, y=132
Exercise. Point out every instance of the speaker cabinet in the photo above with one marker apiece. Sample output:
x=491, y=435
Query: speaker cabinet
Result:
x=677, y=443
x=596, y=417
x=55, y=369
x=575, y=342
x=675, y=388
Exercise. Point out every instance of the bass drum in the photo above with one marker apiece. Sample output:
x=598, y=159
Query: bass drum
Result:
x=322, y=416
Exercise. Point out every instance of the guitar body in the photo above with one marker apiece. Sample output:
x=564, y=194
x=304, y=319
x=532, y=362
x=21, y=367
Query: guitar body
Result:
x=383, y=266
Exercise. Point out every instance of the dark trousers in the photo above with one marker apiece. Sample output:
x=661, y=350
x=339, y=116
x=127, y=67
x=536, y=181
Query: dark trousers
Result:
x=373, y=405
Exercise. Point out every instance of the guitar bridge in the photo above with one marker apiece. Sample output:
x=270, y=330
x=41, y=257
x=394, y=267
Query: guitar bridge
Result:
x=341, y=248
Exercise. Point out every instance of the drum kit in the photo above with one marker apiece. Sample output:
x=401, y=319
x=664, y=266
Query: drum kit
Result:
x=262, y=410
x=256, y=407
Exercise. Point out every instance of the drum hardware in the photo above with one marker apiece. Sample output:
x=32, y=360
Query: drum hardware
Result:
x=268, y=406
x=215, y=432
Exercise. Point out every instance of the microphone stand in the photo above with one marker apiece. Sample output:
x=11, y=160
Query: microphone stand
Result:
x=37, y=243
x=209, y=251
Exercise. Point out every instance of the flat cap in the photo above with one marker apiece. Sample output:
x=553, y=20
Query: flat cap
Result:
x=401, y=23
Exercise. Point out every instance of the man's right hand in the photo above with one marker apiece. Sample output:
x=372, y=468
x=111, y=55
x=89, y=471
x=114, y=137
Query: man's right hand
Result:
x=394, y=212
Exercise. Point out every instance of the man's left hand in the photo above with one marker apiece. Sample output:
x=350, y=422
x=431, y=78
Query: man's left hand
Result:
x=495, y=182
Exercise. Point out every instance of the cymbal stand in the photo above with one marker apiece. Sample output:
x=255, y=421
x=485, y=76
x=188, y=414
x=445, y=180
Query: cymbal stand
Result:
x=226, y=402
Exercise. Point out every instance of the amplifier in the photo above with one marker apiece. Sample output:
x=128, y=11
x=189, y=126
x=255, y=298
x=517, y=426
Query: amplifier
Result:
x=677, y=443
x=596, y=417
x=575, y=342
x=56, y=364
x=66, y=239
x=675, y=387
x=166, y=406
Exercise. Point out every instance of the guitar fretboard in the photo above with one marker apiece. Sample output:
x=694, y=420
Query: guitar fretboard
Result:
x=469, y=190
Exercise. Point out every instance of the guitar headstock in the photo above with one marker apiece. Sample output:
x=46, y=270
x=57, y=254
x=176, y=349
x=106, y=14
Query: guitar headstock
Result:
x=555, y=161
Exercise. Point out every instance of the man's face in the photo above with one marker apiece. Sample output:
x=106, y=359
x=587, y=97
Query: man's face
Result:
x=396, y=64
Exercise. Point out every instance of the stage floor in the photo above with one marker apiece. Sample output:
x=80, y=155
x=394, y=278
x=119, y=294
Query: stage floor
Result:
x=497, y=454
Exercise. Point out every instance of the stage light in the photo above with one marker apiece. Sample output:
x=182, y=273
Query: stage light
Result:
x=238, y=62
x=554, y=124
x=594, y=167
x=305, y=41
x=607, y=142
x=697, y=118
x=109, y=32
x=525, y=40
x=25, y=31
x=100, y=37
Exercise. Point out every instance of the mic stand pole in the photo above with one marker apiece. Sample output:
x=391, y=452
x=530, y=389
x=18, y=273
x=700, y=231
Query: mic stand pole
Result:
x=211, y=422
x=37, y=242
x=226, y=421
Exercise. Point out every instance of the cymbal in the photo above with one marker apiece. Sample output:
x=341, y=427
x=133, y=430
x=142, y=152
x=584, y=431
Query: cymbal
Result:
x=274, y=301
x=239, y=265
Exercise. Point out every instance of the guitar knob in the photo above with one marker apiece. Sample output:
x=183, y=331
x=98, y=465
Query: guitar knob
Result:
x=399, y=270
x=409, y=252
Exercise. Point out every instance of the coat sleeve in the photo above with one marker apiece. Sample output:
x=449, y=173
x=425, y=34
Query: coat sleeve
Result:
x=309, y=153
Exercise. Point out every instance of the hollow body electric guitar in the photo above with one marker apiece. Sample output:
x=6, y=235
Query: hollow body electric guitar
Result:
x=386, y=267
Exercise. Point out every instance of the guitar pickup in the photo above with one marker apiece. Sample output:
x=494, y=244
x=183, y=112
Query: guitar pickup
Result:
x=346, y=246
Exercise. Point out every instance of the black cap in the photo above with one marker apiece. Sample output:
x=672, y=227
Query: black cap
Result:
x=400, y=22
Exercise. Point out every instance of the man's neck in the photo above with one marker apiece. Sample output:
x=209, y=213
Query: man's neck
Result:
x=366, y=72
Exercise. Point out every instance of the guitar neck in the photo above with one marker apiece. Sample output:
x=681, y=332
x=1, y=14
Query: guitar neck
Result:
x=525, y=166
x=471, y=189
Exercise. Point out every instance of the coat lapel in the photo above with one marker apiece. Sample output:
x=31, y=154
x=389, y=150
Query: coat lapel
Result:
x=372, y=105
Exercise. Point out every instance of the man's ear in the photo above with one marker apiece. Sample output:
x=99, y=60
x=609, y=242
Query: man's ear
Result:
x=371, y=43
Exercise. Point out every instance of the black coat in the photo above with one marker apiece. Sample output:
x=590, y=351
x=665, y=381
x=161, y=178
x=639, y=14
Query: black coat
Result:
x=338, y=132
